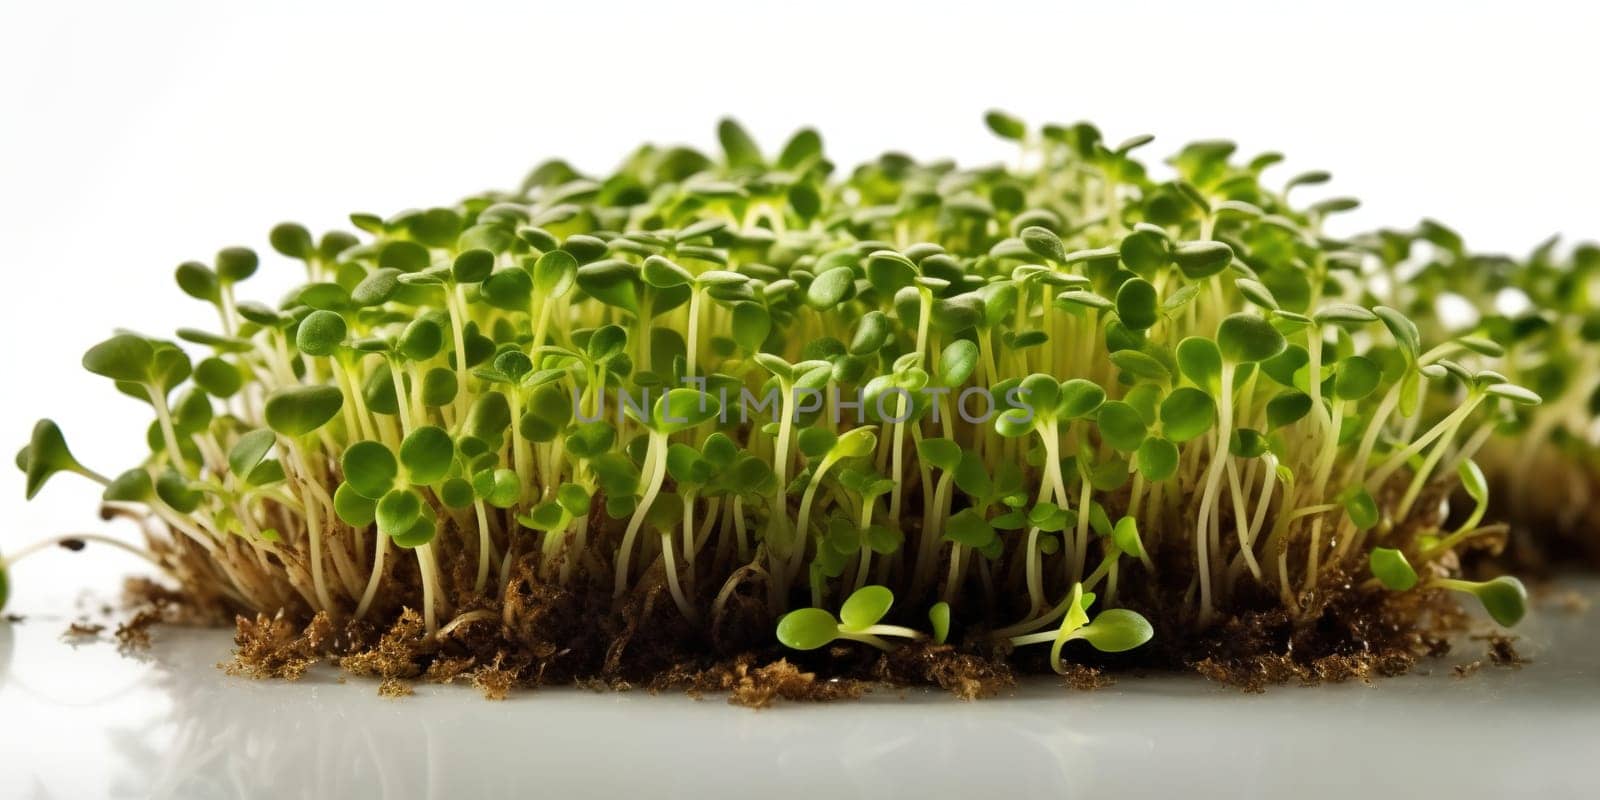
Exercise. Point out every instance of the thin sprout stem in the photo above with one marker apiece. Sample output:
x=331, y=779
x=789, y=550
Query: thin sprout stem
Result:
x=693, y=344
x=893, y=630
x=671, y=565
x=865, y=638
x=1376, y=479
x=463, y=619
x=430, y=580
x=169, y=434
x=1420, y=479
x=657, y=462
x=483, y=546
x=380, y=549
x=313, y=526
x=1031, y=638
x=455, y=302
x=9, y=560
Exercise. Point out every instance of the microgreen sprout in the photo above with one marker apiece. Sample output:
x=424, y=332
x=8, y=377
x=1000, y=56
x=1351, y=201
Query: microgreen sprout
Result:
x=1504, y=598
x=858, y=621
x=1114, y=630
x=996, y=392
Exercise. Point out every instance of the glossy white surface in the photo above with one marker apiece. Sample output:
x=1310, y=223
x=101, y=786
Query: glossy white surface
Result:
x=83, y=721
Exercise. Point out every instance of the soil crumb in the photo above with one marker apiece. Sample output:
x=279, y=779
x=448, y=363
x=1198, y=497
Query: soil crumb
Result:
x=760, y=686
x=276, y=648
x=133, y=636
x=395, y=688
x=1503, y=651
x=1468, y=669
x=79, y=631
x=965, y=675
x=757, y=687
x=397, y=652
x=495, y=680
x=448, y=670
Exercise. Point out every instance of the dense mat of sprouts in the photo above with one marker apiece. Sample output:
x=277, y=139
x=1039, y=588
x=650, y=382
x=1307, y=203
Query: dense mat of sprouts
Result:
x=1539, y=316
x=1016, y=398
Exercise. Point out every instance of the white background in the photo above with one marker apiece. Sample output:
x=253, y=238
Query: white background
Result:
x=137, y=135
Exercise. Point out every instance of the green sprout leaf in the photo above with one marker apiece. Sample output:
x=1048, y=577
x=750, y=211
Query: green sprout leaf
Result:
x=1126, y=536
x=198, y=281
x=751, y=325
x=1201, y=260
x=176, y=491
x=235, y=264
x=292, y=240
x=830, y=288
x=939, y=618
x=1357, y=378
x=662, y=273
x=427, y=454
x=1200, y=361
x=865, y=607
x=807, y=629
x=472, y=266
x=1392, y=569
x=249, y=450
x=1145, y=251
x=1117, y=630
x=124, y=357
x=132, y=486
x=889, y=272
x=1186, y=414
x=1363, y=510
x=420, y=533
x=1121, y=426
x=1244, y=338
x=1157, y=459
x=554, y=273
x=1516, y=394
x=46, y=455
x=321, y=333
x=968, y=527
x=355, y=509
x=300, y=410
x=1137, y=304
x=370, y=469
x=740, y=149
x=421, y=340
x=1079, y=398
x=1473, y=481
x=398, y=511
x=941, y=453
x=1344, y=313
x=1005, y=126
x=1504, y=598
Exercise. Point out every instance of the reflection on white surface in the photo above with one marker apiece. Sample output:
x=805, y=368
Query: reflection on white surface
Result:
x=84, y=722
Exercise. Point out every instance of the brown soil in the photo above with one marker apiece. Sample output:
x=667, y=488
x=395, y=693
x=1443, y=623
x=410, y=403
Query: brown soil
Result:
x=394, y=688
x=544, y=635
x=1503, y=651
x=78, y=631
x=154, y=604
x=538, y=633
